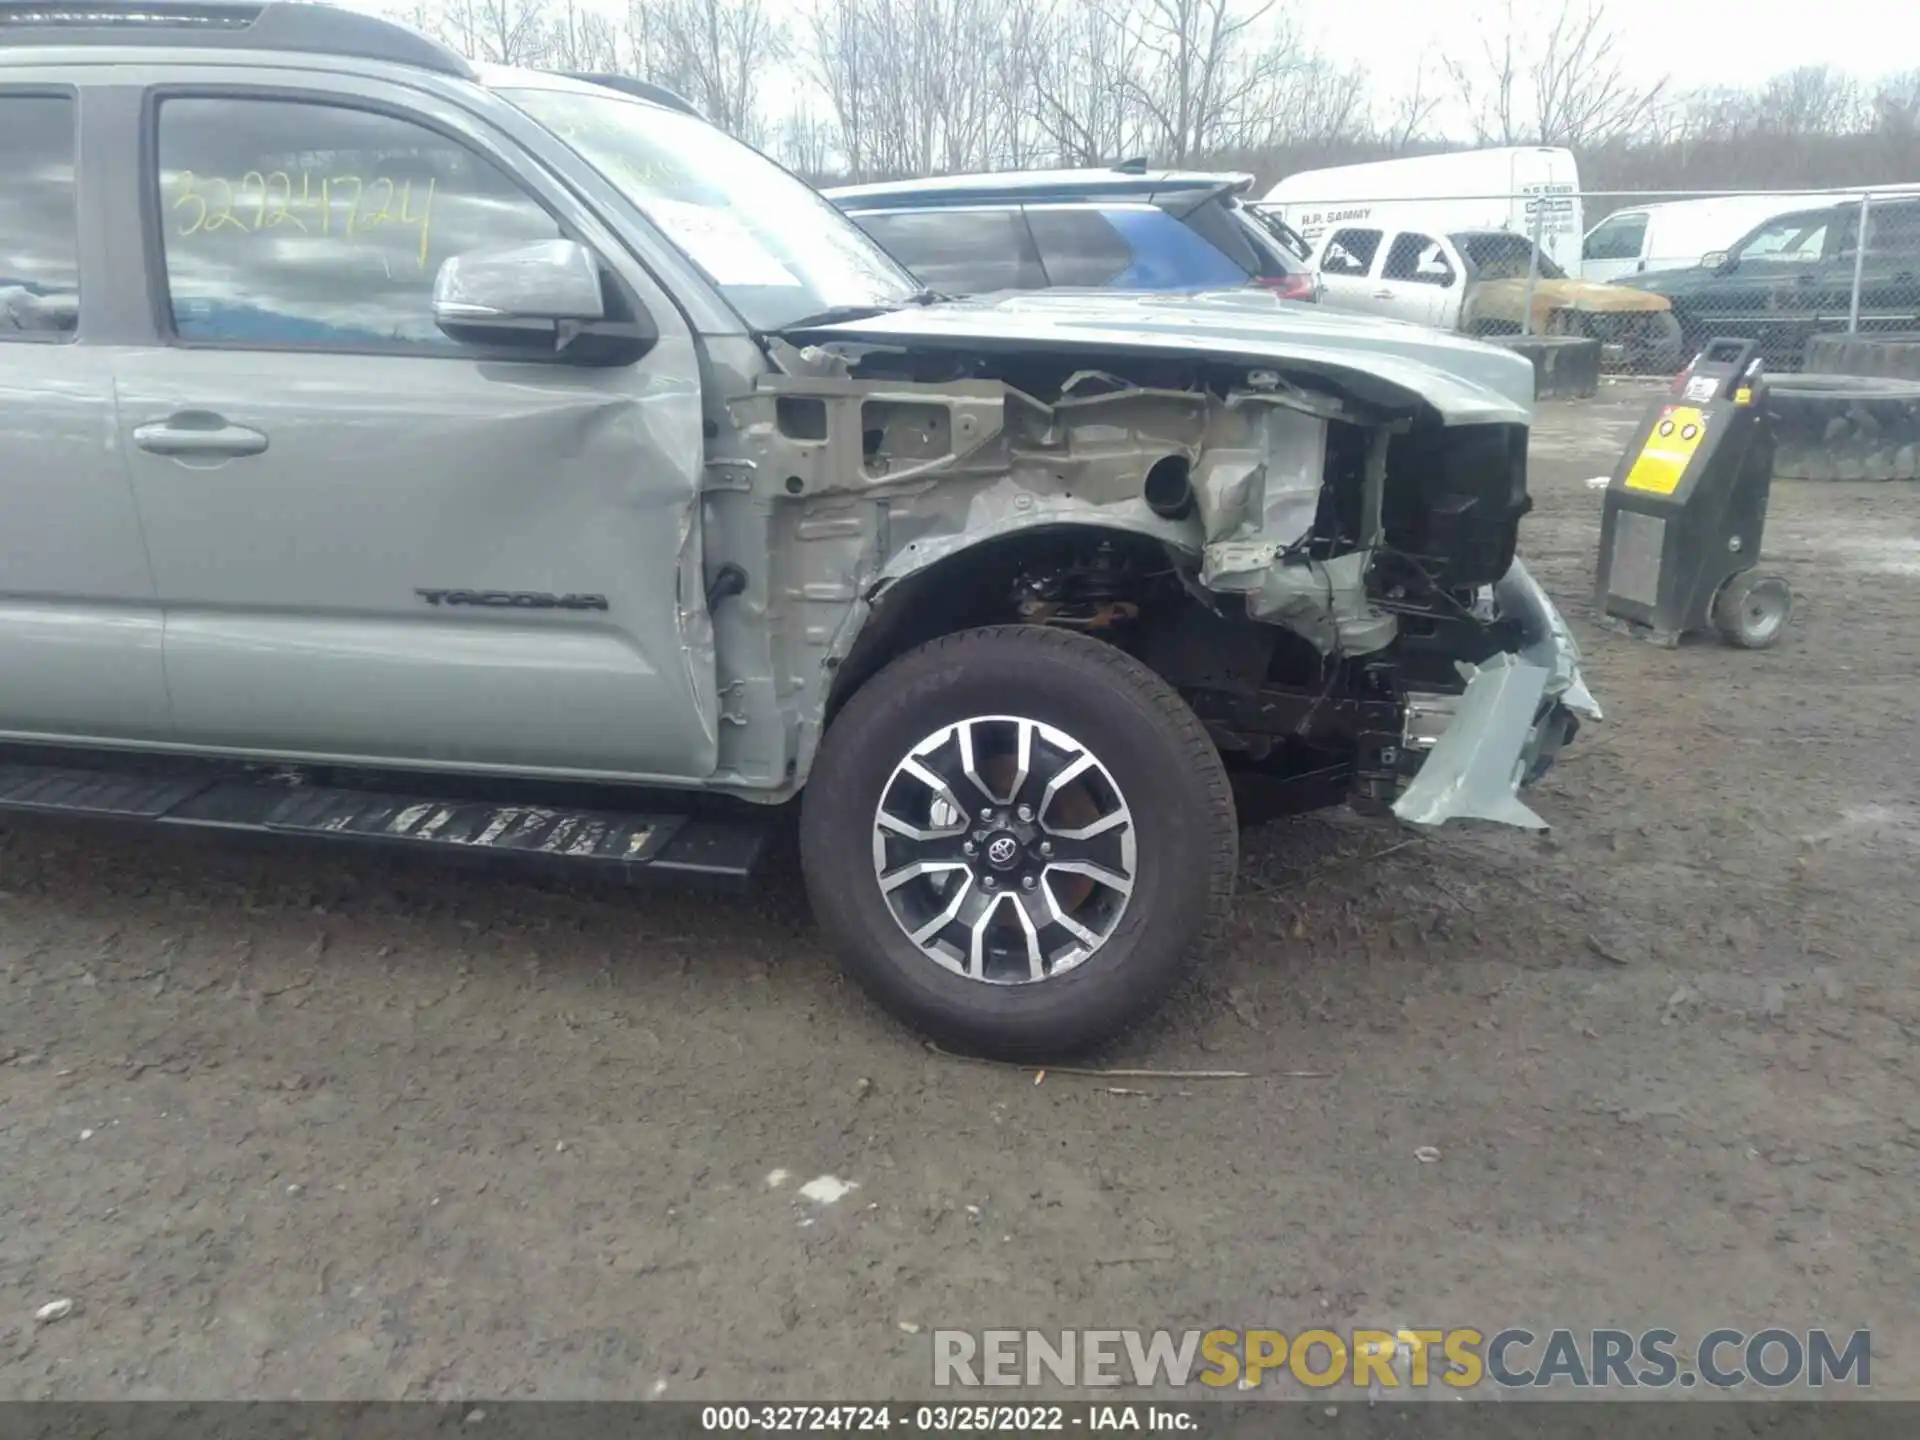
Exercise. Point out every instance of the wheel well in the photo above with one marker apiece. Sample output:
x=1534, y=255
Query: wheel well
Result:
x=1000, y=582
x=1132, y=592
x=1125, y=589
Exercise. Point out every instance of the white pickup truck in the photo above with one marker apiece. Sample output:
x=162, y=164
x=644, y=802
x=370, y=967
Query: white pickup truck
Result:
x=1475, y=281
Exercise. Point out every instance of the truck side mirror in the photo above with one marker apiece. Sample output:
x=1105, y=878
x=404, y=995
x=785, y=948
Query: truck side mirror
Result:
x=541, y=283
x=543, y=296
x=1716, y=260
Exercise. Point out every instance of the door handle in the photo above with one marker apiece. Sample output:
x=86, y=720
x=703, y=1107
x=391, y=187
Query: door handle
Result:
x=1383, y=294
x=198, y=432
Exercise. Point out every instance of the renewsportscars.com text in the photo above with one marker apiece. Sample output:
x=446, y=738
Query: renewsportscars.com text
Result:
x=1458, y=1359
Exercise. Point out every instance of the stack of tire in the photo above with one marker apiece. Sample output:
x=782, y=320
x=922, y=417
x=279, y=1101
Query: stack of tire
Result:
x=1853, y=413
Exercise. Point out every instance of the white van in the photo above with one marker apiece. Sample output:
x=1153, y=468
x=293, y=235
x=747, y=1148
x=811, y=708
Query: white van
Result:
x=1498, y=189
x=1675, y=234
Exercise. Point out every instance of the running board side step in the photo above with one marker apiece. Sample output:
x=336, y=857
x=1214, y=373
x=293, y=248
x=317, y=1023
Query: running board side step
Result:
x=680, y=845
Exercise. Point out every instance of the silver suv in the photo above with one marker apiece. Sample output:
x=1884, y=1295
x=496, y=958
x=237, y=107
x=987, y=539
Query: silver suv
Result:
x=407, y=450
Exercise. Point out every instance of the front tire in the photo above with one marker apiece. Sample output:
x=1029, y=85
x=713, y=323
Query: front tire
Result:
x=1014, y=838
x=1660, y=350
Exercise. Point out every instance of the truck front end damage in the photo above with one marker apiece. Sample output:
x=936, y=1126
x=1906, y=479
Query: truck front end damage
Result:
x=1313, y=541
x=1443, y=662
x=1634, y=327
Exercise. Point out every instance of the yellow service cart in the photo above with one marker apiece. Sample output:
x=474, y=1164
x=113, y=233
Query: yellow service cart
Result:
x=1680, y=534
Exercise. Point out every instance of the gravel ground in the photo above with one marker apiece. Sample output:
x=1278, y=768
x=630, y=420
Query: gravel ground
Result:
x=291, y=1122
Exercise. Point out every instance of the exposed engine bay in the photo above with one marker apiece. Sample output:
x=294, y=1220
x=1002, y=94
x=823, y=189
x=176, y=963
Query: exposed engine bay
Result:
x=1324, y=571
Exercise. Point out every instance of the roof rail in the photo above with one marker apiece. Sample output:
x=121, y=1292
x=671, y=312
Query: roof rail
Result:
x=316, y=29
x=634, y=85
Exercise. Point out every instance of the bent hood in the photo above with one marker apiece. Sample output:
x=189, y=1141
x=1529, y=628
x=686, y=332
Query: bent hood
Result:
x=1507, y=299
x=1681, y=281
x=1387, y=362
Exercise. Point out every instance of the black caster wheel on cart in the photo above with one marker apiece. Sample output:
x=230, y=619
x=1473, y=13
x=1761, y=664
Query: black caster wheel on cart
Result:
x=1752, y=610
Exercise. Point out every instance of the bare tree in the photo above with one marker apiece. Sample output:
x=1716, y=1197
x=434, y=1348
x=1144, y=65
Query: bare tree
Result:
x=1409, y=113
x=1206, y=67
x=1566, y=83
x=807, y=143
x=1487, y=89
x=1310, y=103
x=580, y=39
x=840, y=53
x=1897, y=103
x=638, y=49
x=1082, y=61
x=924, y=85
x=452, y=22
x=716, y=53
x=1795, y=104
x=1013, y=78
x=1814, y=100
x=507, y=32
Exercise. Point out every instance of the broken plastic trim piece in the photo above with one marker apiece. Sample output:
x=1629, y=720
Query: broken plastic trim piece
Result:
x=1505, y=729
x=1475, y=769
x=1545, y=639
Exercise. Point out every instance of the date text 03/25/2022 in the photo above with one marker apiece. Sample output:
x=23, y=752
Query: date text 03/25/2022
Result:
x=948, y=1419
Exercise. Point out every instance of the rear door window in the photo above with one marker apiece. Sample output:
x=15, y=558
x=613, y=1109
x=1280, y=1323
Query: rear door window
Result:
x=1278, y=236
x=1275, y=262
x=1216, y=223
x=1350, y=252
x=1078, y=247
x=39, y=230
x=1418, y=259
x=961, y=252
x=1893, y=230
x=1167, y=255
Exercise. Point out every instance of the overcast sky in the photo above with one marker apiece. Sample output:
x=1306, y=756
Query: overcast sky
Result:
x=1698, y=44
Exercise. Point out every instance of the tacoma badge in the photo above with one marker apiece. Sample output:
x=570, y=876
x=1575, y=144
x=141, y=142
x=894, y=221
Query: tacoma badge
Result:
x=513, y=599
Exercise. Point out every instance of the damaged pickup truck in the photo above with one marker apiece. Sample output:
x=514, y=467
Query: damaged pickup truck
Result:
x=643, y=494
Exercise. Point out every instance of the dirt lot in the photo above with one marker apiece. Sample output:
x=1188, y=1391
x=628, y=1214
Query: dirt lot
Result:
x=301, y=1123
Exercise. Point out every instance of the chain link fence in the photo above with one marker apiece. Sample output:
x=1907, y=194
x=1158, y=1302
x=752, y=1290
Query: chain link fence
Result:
x=1821, y=279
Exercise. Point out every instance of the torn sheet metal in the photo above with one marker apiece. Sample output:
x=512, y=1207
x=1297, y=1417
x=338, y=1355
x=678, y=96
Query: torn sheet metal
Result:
x=1258, y=500
x=1262, y=478
x=1475, y=770
x=1547, y=640
x=1322, y=601
x=1508, y=725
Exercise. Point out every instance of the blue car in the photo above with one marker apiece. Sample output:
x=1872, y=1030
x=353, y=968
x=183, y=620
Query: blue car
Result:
x=1120, y=229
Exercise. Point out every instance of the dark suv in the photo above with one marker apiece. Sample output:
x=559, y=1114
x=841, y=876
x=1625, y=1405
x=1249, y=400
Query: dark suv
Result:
x=1120, y=229
x=1793, y=276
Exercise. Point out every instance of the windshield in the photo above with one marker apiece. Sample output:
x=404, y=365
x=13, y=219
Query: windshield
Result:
x=777, y=250
x=1498, y=255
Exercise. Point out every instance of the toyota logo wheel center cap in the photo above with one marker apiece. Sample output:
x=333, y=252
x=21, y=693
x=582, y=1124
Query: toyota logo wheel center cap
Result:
x=1003, y=852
